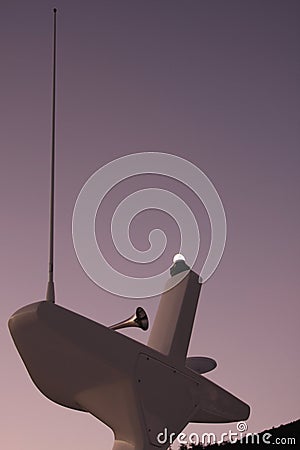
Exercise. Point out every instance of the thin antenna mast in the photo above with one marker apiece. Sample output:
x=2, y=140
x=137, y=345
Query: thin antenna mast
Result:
x=50, y=295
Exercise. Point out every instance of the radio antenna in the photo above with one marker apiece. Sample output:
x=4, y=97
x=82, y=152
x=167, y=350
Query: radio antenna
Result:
x=50, y=295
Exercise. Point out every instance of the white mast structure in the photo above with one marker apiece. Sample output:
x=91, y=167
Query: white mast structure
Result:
x=138, y=390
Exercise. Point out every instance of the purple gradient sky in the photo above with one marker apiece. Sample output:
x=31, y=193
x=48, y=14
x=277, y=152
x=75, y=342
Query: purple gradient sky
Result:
x=214, y=82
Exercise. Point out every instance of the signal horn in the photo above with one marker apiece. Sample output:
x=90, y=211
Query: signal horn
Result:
x=139, y=319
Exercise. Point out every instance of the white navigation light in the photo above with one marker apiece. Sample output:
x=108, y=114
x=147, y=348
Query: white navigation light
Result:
x=179, y=265
x=178, y=257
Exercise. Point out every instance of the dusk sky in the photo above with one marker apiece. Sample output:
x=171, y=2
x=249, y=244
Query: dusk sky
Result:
x=214, y=82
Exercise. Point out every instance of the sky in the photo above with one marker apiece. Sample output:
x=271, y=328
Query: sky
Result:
x=216, y=83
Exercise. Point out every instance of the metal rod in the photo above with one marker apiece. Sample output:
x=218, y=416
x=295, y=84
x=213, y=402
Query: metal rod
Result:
x=50, y=295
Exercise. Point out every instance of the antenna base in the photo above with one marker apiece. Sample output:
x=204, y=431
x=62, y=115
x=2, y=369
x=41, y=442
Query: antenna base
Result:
x=50, y=294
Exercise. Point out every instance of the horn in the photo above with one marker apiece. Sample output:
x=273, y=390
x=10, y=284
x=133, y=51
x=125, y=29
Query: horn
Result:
x=139, y=319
